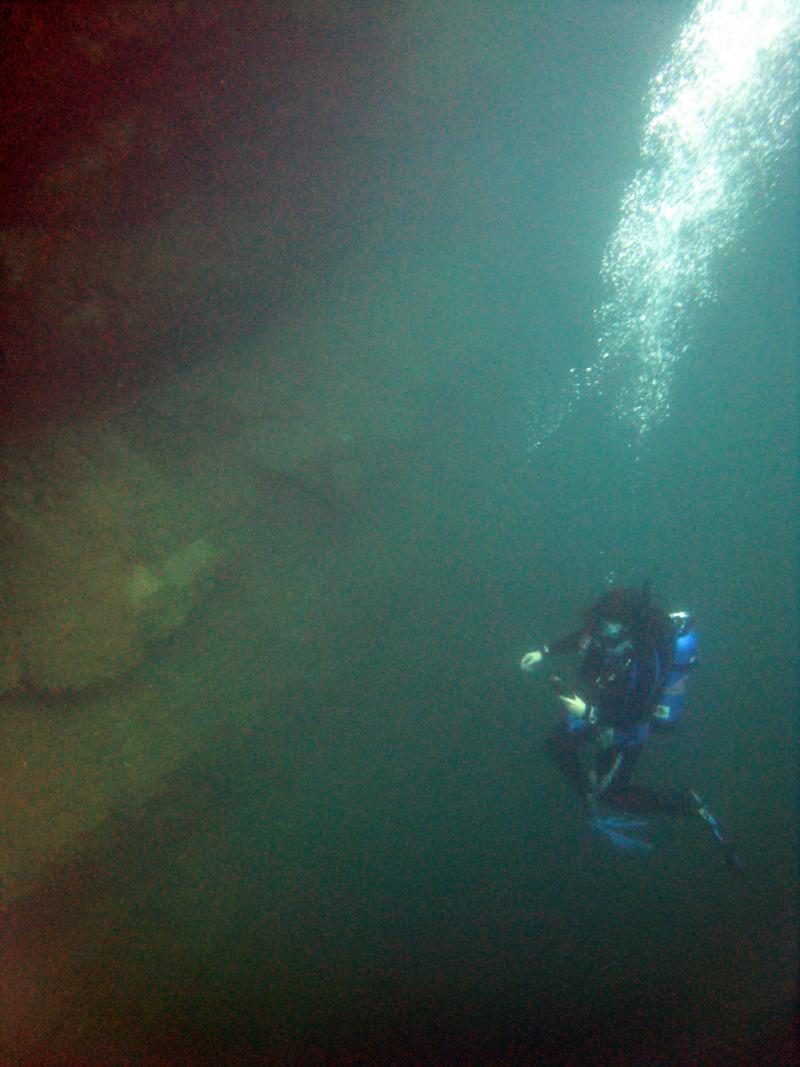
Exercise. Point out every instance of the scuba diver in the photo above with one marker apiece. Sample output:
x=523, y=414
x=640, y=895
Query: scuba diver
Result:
x=631, y=682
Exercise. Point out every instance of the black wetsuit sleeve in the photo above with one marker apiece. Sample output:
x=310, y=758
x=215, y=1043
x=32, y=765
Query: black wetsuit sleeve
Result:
x=568, y=643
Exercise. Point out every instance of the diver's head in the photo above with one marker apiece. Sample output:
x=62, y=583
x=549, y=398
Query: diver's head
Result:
x=624, y=619
x=625, y=606
x=611, y=630
x=611, y=642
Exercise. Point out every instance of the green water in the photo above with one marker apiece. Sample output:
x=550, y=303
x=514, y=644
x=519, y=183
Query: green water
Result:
x=386, y=869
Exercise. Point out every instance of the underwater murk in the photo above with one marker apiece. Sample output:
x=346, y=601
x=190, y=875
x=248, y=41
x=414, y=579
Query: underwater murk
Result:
x=356, y=360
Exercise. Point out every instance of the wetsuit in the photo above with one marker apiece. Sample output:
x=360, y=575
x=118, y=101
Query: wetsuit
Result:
x=627, y=686
x=620, y=678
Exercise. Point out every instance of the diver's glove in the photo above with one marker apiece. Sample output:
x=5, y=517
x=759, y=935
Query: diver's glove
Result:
x=531, y=660
x=573, y=705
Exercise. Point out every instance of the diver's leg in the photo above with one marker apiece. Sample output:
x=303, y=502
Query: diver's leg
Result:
x=611, y=766
x=562, y=746
x=643, y=800
x=614, y=769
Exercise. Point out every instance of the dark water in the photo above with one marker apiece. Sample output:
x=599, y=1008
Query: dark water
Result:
x=386, y=869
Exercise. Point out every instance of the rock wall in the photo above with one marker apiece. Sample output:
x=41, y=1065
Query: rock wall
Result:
x=105, y=551
x=167, y=177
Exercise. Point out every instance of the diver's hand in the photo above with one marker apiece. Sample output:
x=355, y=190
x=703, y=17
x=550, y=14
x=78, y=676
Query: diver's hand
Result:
x=573, y=705
x=531, y=660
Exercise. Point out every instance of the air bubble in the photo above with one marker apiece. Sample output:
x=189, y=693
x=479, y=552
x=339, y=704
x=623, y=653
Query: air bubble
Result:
x=719, y=115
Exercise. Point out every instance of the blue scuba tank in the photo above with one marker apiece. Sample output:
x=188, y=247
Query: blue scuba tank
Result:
x=672, y=697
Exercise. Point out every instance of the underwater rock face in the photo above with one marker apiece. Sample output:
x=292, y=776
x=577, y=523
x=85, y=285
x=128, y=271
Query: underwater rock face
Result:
x=166, y=168
x=10, y=672
x=105, y=553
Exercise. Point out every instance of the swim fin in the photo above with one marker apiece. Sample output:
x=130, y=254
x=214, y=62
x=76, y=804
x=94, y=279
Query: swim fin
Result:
x=733, y=860
x=615, y=828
